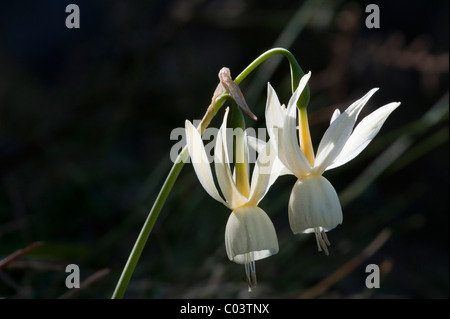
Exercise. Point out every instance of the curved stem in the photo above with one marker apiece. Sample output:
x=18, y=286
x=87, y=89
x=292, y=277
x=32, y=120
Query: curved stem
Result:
x=296, y=74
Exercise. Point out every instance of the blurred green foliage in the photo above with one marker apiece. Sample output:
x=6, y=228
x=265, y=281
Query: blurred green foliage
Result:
x=85, y=121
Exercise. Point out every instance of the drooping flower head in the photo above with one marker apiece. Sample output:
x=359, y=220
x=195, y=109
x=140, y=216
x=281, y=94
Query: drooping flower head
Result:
x=250, y=234
x=313, y=204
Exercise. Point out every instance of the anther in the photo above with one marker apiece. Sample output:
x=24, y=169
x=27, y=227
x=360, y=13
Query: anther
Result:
x=322, y=240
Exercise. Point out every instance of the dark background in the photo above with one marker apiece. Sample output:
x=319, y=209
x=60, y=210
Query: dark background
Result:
x=85, y=121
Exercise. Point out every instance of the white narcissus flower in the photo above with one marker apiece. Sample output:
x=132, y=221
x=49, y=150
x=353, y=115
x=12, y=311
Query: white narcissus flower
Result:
x=250, y=234
x=314, y=205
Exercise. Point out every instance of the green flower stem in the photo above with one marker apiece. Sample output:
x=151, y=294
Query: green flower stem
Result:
x=296, y=74
x=157, y=206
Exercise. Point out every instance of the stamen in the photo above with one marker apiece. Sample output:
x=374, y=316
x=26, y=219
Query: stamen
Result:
x=317, y=240
x=324, y=236
x=250, y=271
x=253, y=273
x=322, y=240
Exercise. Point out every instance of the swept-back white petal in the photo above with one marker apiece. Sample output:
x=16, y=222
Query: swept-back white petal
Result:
x=313, y=203
x=283, y=170
x=289, y=150
x=274, y=112
x=200, y=161
x=250, y=231
x=363, y=134
x=255, y=144
x=267, y=169
x=335, y=115
x=247, y=151
x=298, y=91
x=221, y=162
x=338, y=133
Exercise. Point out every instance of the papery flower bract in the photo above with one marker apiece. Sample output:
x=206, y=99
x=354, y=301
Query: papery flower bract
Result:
x=314, y=204
x=250, y=234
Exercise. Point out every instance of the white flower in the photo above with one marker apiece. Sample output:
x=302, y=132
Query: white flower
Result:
x=250, y=234
x=314, y=204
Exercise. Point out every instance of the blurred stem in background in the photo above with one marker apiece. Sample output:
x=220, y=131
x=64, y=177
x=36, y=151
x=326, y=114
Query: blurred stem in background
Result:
x=296, y=74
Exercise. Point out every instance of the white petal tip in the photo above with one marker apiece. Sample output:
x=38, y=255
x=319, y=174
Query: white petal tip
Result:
x=392, y=105
x=371, y=92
